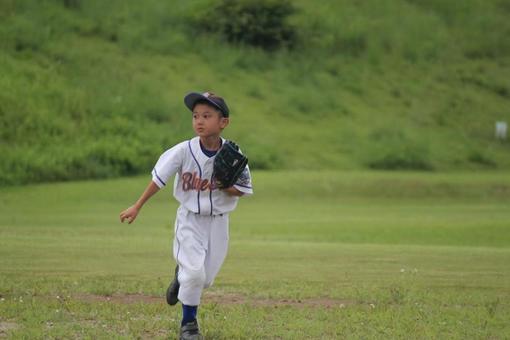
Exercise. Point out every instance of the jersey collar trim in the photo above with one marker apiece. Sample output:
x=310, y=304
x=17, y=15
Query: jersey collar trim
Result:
x=200, y=156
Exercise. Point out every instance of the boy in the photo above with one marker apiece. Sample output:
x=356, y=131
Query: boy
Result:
x=201, y=225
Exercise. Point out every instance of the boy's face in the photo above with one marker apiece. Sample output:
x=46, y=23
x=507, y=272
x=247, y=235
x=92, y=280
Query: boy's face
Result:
x=207, y=121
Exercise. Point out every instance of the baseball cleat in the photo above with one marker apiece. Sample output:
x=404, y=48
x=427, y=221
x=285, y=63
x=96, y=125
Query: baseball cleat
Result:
x=173, y=290
x=190, y=331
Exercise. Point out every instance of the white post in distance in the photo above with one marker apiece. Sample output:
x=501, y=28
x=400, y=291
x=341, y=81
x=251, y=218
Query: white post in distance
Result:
x=501, y=130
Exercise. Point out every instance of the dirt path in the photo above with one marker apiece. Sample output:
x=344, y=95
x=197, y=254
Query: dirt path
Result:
x=220, y=298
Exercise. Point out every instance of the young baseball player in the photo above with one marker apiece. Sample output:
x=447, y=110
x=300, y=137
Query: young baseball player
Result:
x=201, y=225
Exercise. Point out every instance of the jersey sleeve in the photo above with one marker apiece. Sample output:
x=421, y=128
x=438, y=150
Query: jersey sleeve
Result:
x=168, y=164
x=243, y=184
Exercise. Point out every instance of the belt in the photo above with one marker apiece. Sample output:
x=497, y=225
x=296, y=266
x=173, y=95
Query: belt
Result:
x=220, y=215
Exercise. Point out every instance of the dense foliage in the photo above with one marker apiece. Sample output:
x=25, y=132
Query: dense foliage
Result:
x=259, y=23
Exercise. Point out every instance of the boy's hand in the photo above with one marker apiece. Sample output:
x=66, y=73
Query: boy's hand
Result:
x=129, y=214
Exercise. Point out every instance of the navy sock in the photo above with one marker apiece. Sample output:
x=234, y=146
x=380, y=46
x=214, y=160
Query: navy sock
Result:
x=189, y=313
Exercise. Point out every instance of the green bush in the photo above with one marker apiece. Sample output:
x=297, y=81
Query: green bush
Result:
x=481, y=158
x=263, y=157
x=394, y=150
x=72, y=3
x=108, y=157
x=260, y=23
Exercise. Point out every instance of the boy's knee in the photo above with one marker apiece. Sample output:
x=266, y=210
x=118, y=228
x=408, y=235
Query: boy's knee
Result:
x=192, y=277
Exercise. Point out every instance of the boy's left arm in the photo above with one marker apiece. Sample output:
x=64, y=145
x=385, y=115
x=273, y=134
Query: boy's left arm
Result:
x=243, y=185
x=232, y=191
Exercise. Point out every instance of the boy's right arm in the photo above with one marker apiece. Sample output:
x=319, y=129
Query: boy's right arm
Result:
x=130, y=213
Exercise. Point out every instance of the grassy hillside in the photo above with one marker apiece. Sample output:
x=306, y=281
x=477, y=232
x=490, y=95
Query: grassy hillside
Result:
x=94, y=88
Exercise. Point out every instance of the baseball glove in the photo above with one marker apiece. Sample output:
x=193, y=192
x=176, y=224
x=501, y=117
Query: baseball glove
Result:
x=228, y=165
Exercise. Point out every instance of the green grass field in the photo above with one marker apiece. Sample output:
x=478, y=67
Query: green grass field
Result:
x=313, y=255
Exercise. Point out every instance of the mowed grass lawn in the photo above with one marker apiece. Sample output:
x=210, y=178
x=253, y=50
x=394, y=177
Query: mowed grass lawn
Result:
x=313, y=255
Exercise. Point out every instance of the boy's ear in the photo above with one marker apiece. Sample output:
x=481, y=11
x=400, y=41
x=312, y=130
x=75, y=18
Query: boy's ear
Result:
x=224, y=122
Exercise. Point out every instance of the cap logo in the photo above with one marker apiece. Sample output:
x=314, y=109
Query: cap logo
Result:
x=206, y=94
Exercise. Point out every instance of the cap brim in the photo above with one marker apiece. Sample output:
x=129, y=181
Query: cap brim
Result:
x=191, y=98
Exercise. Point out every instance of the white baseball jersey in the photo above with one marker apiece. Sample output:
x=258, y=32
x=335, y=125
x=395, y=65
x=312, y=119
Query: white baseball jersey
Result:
x=193, y=184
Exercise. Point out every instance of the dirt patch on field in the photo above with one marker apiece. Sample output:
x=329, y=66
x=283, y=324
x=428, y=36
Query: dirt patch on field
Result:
x=120, y=298
x=6, y=326
x=232, y=299
x=220, y=298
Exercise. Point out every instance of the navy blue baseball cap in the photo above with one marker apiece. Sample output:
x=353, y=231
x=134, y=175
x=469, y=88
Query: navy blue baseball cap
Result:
x=191, y=98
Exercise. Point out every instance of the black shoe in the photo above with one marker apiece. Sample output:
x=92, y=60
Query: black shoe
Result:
x=190, y=331
x=173, y=290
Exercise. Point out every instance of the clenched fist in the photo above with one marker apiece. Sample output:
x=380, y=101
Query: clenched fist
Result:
x=129, y=214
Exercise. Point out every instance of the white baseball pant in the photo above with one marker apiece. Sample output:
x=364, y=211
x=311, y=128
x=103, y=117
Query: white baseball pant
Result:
x=200, y=247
